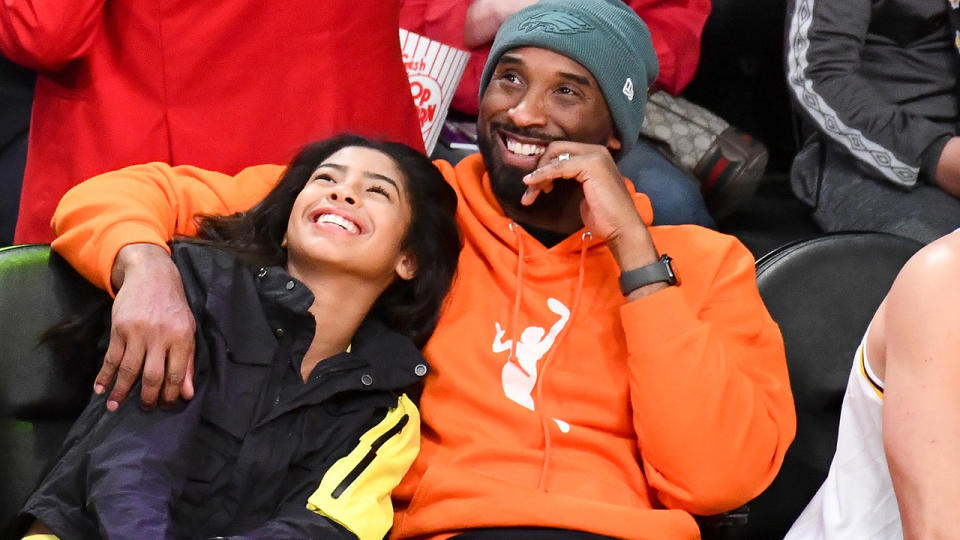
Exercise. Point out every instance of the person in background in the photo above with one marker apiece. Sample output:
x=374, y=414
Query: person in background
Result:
x=16, y=94
x=310, y=308
x=894, y=474
x=876, y=84
x=675, y=28
x=220, y=84
x=593, y=375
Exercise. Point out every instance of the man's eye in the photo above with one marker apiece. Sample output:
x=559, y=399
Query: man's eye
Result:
x=509, y=76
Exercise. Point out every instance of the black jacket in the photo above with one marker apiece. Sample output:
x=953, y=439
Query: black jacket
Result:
x=257, y=453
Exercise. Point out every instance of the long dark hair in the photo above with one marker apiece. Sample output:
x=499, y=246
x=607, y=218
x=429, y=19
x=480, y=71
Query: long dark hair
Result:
x=410, y=307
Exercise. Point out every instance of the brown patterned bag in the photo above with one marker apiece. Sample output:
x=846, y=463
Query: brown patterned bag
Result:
x=727, y=162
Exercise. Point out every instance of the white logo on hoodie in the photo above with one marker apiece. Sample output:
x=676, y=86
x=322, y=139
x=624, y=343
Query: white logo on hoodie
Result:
x=533, y=345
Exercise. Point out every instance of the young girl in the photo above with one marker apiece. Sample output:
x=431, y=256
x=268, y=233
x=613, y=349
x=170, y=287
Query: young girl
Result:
x=309, y=310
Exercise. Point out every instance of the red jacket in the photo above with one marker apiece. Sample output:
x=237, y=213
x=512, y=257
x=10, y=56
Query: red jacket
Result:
x=675, y=26
x=217, y=83
x=627, y=417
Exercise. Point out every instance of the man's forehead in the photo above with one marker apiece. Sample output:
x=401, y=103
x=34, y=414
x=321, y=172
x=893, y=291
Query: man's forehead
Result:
x=549, y=60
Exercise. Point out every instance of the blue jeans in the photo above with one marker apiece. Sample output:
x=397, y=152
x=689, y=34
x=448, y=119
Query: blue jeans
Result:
x=674, y=195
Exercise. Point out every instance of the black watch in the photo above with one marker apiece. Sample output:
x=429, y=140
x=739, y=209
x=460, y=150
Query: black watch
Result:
x=661, y=270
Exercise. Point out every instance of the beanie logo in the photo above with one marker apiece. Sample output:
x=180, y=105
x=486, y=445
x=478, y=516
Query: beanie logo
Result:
x=628, y=89
x=555, y=22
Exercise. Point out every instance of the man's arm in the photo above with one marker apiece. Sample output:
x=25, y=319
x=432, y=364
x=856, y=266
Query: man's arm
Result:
x=712, y=407
x=47, y=35
x=346, y=492
x=921, y=405
x=824, y=48
x=114, y=230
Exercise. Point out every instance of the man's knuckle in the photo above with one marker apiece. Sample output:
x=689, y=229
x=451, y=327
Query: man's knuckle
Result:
x=152, y=378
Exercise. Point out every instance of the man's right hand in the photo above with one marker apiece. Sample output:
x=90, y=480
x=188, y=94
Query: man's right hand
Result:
x=152, y=330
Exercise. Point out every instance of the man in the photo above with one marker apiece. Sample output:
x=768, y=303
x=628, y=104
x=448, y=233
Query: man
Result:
x=675, y=28
x=895, y=471
x=644, y=403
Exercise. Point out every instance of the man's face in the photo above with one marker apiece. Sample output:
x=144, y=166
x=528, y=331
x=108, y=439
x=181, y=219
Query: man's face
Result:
x=537, y=96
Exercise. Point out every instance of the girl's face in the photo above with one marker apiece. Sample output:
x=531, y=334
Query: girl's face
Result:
x=352, y=215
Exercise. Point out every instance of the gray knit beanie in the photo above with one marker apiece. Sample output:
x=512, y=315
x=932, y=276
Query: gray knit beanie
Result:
x=604, y=36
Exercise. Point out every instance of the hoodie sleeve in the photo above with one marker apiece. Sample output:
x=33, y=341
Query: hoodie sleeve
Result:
x=713, y=428
x=147, y=203
x=45, y=35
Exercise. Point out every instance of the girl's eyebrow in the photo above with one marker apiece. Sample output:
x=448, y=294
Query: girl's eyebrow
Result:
x=387, y=179
x=368, y=174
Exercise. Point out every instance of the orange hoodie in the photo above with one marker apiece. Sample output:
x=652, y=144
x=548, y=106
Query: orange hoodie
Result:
x=551, y=402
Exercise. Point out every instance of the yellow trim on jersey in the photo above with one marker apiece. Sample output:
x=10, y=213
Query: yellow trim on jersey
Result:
x=861, y=360
x=41, y=537
x=355, y=491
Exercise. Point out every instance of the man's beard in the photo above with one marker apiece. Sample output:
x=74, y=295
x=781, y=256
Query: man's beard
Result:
x=557, y=211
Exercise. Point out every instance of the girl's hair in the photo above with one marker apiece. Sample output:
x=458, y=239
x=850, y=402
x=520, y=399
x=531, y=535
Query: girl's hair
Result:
x=410, y=307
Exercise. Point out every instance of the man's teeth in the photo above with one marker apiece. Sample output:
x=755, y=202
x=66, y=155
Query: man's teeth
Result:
x=525, y=149
x=339, y=221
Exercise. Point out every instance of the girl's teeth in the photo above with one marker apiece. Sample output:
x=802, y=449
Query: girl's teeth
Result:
x=339, y=221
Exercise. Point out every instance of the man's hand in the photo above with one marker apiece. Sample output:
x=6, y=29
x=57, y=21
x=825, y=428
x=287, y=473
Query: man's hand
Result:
x=152, y=330
x=948, y=168
x=607, y=209
x=484, y=18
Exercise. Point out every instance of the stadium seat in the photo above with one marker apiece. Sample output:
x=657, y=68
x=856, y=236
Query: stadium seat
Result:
x=39, y=396
x=823, y=293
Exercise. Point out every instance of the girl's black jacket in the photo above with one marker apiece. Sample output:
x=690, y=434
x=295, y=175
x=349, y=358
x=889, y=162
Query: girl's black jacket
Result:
x=257, y=453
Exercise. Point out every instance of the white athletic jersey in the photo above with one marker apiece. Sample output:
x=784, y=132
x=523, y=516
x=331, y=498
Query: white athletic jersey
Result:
x=856, y=501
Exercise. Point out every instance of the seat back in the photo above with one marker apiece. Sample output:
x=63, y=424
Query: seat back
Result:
x=823, y=293
x=39, y=397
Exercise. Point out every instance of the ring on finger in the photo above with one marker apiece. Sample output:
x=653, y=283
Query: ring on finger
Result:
x=564, y=156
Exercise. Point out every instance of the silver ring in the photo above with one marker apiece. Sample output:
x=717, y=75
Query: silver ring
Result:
x=564, y=156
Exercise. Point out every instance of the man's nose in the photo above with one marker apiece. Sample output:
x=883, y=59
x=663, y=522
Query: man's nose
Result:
x=529, y=111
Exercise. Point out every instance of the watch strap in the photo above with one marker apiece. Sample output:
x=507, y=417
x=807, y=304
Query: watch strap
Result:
x=661, y=270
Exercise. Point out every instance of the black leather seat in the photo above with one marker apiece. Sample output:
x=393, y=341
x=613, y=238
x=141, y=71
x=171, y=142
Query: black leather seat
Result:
x=39, y=396
x=823, y=293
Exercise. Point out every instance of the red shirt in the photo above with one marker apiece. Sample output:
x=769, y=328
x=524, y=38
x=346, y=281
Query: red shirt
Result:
x=220, y=84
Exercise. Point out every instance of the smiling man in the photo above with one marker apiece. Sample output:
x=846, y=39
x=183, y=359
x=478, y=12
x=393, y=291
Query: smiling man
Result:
x=592, y=375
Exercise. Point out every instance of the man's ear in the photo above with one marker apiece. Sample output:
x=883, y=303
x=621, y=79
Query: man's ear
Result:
x=613, y=143
x=406, y=266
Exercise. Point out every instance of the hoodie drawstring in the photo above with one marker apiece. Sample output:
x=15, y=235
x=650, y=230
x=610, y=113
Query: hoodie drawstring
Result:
x=544, y=420
x=517, y=295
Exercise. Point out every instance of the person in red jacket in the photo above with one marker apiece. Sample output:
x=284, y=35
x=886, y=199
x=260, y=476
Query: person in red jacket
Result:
x=218, y=83
x=592, y=375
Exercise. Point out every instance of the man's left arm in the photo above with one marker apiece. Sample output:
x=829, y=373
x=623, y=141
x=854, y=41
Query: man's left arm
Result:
x=712, y=406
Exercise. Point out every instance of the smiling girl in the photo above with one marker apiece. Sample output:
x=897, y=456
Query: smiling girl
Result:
x=310, y=309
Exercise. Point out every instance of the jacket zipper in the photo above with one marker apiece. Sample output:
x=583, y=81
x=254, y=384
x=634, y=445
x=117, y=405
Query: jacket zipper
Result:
x=371, y=455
